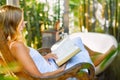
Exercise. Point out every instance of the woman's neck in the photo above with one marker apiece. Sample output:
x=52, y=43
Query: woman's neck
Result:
x=10, y=42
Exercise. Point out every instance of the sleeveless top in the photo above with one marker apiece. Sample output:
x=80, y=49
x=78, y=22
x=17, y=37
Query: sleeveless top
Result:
x=41, y=63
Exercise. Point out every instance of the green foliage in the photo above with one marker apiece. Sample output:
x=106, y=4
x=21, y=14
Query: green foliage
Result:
x=2, y=2
x=12, y=66
x=74, y=4
x=113, y=52
x=118, y=47
x=8, y=77
x=5, y=71
x=36, y=16
x=84, y=16
x=31, y=15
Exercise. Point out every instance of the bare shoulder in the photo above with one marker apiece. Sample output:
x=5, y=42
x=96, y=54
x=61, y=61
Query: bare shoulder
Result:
x=18, y=47
x=17, y=44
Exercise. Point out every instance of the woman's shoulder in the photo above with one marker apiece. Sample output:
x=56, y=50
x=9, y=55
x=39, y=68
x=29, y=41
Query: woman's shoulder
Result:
x=16, y=45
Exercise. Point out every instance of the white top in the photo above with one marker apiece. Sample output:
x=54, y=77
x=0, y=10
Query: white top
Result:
x=42, y=65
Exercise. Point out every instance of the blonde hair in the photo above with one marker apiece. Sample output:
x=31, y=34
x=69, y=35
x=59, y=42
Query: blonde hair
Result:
x=10, y=18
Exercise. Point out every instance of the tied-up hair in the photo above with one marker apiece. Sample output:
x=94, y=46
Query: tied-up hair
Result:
x=10, y=18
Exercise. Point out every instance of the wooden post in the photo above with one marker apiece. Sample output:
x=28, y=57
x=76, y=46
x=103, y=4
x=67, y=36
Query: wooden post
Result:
x=66, y=16
x=13, y=2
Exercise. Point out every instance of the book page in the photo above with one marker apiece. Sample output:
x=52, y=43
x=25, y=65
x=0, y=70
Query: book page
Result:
x=64, y=49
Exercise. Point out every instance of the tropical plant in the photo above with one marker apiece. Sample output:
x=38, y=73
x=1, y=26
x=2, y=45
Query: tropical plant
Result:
x=36, y=15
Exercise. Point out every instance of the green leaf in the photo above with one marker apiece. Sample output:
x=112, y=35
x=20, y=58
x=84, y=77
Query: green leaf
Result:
x=8, y=77
x=108, y=57
x=13, y=66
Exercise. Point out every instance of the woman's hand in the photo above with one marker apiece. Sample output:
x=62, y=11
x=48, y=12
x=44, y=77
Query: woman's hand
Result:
x=62, y=68
x=50, y=56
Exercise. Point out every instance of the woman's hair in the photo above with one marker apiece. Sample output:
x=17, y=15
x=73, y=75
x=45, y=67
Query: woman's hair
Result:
x=10, y=17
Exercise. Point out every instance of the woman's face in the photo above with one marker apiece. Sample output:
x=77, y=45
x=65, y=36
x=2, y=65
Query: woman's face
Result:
x=21, y=25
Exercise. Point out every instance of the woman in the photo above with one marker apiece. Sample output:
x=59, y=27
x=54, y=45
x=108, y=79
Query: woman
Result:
x=12, y=23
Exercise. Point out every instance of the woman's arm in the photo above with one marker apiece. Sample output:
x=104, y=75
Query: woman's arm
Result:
x=21, y=53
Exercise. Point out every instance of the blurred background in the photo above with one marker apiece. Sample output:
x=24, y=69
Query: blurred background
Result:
x=102, y=16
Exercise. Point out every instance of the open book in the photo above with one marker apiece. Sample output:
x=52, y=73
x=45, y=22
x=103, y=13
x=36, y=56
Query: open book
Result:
x=64, y=49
